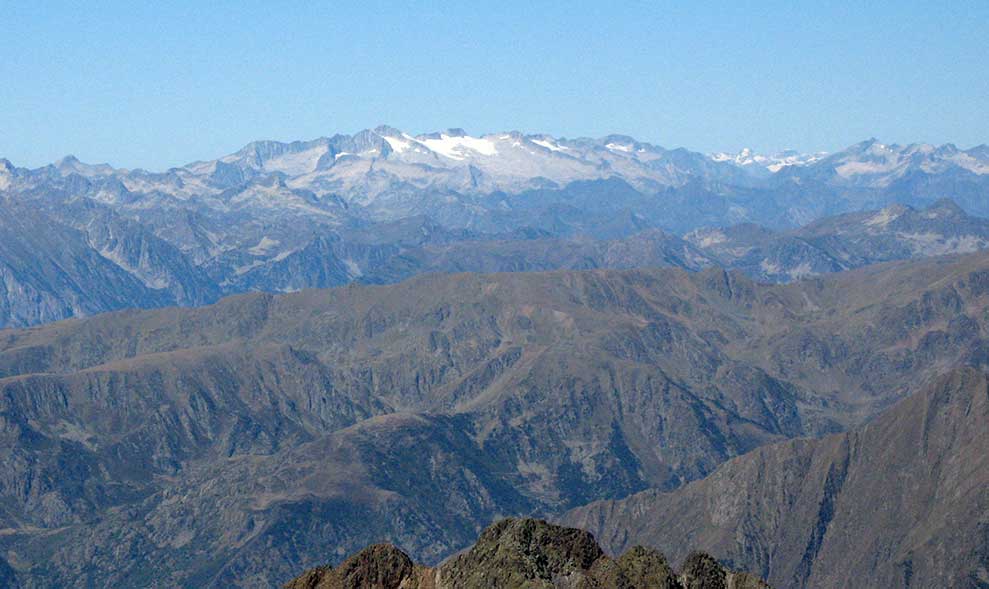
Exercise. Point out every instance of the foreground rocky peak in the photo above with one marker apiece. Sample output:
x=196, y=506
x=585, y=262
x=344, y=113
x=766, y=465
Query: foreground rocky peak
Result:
x=526, y=553
x=380, y=566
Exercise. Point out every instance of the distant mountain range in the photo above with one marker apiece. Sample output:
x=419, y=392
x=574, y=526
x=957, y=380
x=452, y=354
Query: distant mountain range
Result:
x=843, y=242
x=381, y=205
x=89, y=260
x=755, y=162
x=364, y=167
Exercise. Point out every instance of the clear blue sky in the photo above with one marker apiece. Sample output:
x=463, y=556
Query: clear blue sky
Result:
x=166, y=83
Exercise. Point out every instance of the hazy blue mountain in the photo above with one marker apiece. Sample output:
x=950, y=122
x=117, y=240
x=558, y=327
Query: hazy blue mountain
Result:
x=381, y=205
x=846, y=241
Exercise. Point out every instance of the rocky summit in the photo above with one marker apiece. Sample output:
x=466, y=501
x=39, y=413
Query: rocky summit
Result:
x=526, y=554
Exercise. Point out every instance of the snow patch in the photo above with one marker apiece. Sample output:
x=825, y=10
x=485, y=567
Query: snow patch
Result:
x=773, y=163
x=398, y=145
x=549, y=145
x=769, y=267
x=455, y=148
x=883, y=218
x=263, y=246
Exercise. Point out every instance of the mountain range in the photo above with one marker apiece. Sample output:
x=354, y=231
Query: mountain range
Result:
x=230, y=372
x=237, y=444
x=381, y=205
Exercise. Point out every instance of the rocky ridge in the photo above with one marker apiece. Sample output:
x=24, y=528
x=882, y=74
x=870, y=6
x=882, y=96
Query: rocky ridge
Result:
x=526, y=553
x=844, y=242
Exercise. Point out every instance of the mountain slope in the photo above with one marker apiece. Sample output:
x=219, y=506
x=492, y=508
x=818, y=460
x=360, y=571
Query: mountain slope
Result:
x=872, y=174
x=384, y=253
x=204, y=440
x=900, y=502
x=48, y=272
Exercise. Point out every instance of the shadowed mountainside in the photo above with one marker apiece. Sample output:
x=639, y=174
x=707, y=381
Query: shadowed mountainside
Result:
x=902, y=501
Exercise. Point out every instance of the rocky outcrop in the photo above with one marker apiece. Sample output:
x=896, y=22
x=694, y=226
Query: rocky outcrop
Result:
x=381, y=566
x=526, y=553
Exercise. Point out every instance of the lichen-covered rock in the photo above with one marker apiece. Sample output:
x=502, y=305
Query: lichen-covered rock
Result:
x=381, y=566
x=646, y=567
x=525, y=554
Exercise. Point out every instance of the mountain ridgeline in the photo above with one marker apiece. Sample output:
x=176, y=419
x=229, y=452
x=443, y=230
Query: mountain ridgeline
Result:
x=238, y=444
x=381, y=206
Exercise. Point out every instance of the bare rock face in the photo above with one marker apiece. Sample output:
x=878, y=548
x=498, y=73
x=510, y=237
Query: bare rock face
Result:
x=702, y=571
x=528, y=554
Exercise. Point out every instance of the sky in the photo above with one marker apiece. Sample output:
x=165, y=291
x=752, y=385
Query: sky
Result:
x=161, y=84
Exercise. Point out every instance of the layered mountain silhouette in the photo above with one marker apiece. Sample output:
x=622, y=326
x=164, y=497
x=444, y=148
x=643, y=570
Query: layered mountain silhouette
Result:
x=657, y=345
x=844, y=242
